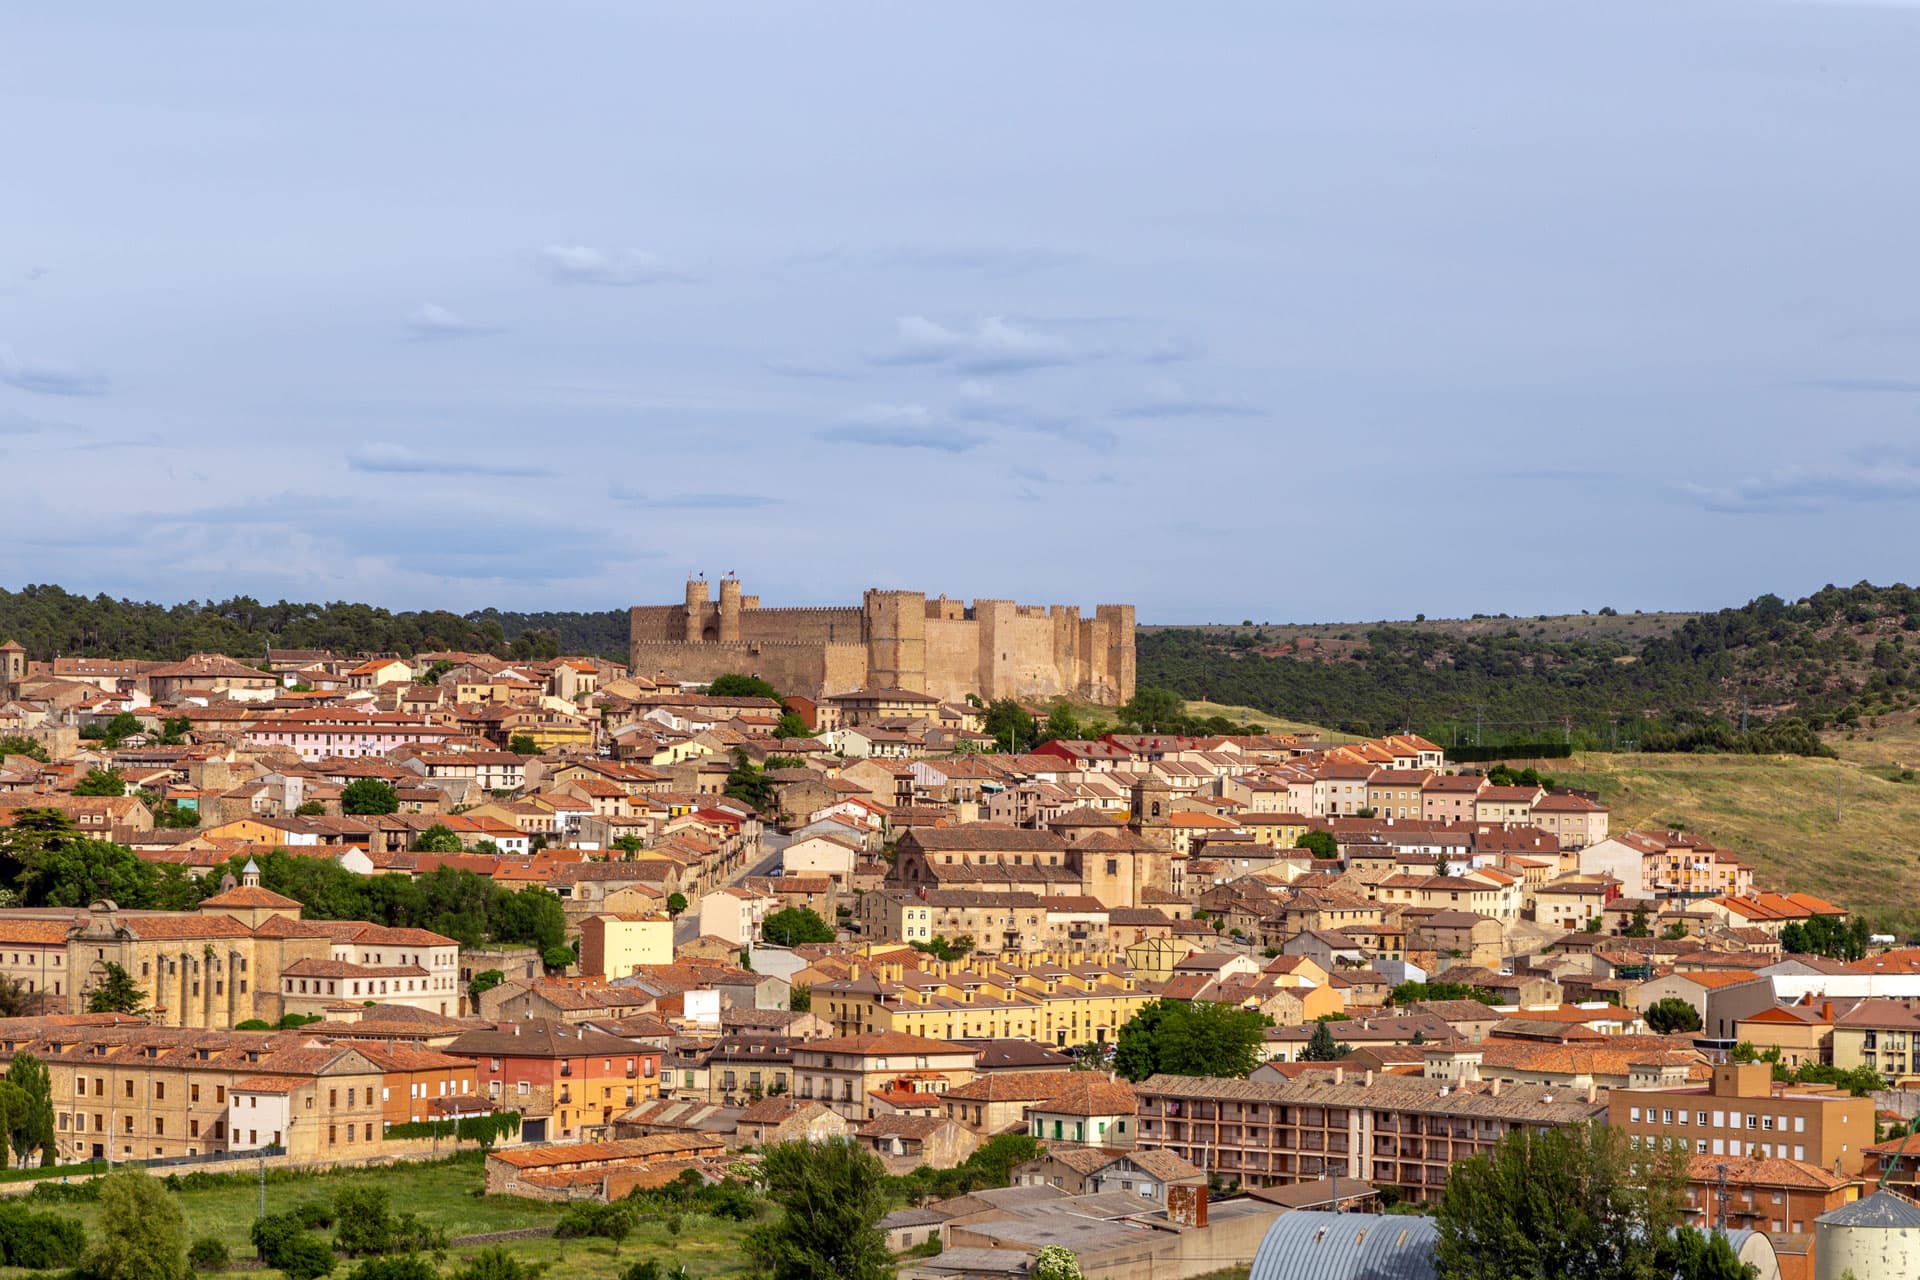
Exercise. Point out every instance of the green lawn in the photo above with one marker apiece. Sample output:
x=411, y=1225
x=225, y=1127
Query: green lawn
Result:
x=447, y=1195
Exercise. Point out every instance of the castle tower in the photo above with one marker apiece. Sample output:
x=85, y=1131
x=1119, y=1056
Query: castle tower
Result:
x=696, y=609
x=1153, y=811
x=1120, y=655
x=729, y=610
x=896, y=624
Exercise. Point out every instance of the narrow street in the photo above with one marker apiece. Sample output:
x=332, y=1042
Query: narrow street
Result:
x=772, y=842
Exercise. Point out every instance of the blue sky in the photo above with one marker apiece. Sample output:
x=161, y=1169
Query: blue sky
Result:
x=1289, y=312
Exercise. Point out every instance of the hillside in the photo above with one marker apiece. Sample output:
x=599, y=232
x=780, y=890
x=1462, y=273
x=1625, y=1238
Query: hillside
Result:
x=1778, y=813
x=1785, y=670
x=1631, y=629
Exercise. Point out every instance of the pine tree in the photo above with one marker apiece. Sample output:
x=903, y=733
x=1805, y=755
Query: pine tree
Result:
x=117, y=993
x=1320, y=1046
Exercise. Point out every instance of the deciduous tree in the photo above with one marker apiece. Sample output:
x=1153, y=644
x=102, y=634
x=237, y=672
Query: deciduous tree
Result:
x=791, y=926
x=101, y=782
x=141, y=1235
x=833, y=1195
x=365, y=796
x=1555, y=1204
x=1179, y=1038
x=30, y=1126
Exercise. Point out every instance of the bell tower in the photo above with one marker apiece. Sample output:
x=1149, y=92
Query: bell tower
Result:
x=1153, y=811
x=13, y=667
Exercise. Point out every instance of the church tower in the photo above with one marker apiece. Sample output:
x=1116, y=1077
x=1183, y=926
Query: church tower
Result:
x=13, y=667
x=1153, y=811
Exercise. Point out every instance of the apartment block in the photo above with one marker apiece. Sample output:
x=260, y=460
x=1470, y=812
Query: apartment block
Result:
x=1387, y=1130
x=1743, y=1112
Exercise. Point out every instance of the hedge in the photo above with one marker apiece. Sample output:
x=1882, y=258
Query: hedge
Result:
x=485, y=1129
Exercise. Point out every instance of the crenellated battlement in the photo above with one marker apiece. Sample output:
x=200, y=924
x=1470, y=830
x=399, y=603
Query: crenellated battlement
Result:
x=893, y=638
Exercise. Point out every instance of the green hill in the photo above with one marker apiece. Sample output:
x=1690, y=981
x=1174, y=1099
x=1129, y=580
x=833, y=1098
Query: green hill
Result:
x=1765, y=677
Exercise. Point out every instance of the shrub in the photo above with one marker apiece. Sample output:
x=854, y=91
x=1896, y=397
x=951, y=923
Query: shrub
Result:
x=402, y=1267
x=209, y=1253
x=282, y=1241
x=363, y=1223
x=497, y=1264
x=591, y=1218
x=39, y=1240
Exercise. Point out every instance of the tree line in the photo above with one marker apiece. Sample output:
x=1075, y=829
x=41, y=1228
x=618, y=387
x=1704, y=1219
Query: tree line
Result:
x=1766, y=677
x=51, y=621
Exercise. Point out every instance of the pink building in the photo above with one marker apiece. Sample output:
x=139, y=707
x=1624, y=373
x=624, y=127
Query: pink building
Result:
x=319, y=734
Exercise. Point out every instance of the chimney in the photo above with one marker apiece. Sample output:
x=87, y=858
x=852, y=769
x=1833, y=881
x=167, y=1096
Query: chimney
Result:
x=1339, y=1075
x=1369, y=1080
x=1592, y=1093
x=1496, y=1087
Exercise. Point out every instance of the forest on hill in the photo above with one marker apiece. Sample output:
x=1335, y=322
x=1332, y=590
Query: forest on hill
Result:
x=52, y=622
x=1767, y=676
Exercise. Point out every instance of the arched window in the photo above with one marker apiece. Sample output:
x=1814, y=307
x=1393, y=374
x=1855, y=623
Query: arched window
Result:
x=1156, y=808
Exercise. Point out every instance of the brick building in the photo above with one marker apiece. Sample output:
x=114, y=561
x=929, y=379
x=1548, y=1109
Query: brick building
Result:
x=1386, y=1130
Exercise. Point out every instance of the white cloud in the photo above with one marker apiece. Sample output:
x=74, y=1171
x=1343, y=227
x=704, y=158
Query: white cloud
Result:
x=1166, y=398
x=47, y=379
x=894, y=415
x=384, y=458
x=621, y=268
x=1864, y=476
x=430, y=320
x=994, y=345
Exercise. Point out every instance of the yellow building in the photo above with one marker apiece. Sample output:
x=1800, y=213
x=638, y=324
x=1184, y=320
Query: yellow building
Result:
x=126, y=1090
x=1881, y=1034
x=613, y=945
x=1043, y=997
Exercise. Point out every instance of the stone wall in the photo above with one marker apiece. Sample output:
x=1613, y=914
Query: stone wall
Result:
x=895, y=639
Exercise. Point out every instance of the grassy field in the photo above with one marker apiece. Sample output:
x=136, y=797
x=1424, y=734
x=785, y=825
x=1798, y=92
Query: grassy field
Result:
x=1845, y=829
x=447, y=1195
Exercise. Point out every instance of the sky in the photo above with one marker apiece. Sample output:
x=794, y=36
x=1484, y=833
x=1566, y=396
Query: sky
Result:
x=1289, y=312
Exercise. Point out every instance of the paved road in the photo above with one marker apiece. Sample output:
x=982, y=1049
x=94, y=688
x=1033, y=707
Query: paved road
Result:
x=772, y=842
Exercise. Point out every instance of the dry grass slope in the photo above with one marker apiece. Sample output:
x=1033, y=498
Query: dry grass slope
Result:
x=1844, y=829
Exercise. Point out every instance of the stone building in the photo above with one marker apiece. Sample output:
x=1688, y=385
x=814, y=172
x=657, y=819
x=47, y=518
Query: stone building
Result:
x=891, y=640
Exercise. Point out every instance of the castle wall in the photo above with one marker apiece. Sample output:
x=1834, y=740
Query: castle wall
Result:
x=790, y=668
x=895, y=639
x=657, y=623
x=953, y=658
x=802, y=626
x=1025, y=666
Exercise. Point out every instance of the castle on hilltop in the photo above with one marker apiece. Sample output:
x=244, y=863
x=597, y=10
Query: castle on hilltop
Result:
x=892, y=640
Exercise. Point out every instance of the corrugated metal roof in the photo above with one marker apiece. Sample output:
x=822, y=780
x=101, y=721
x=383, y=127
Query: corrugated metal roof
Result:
x=1881, y=1209
x=1311, y=1245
